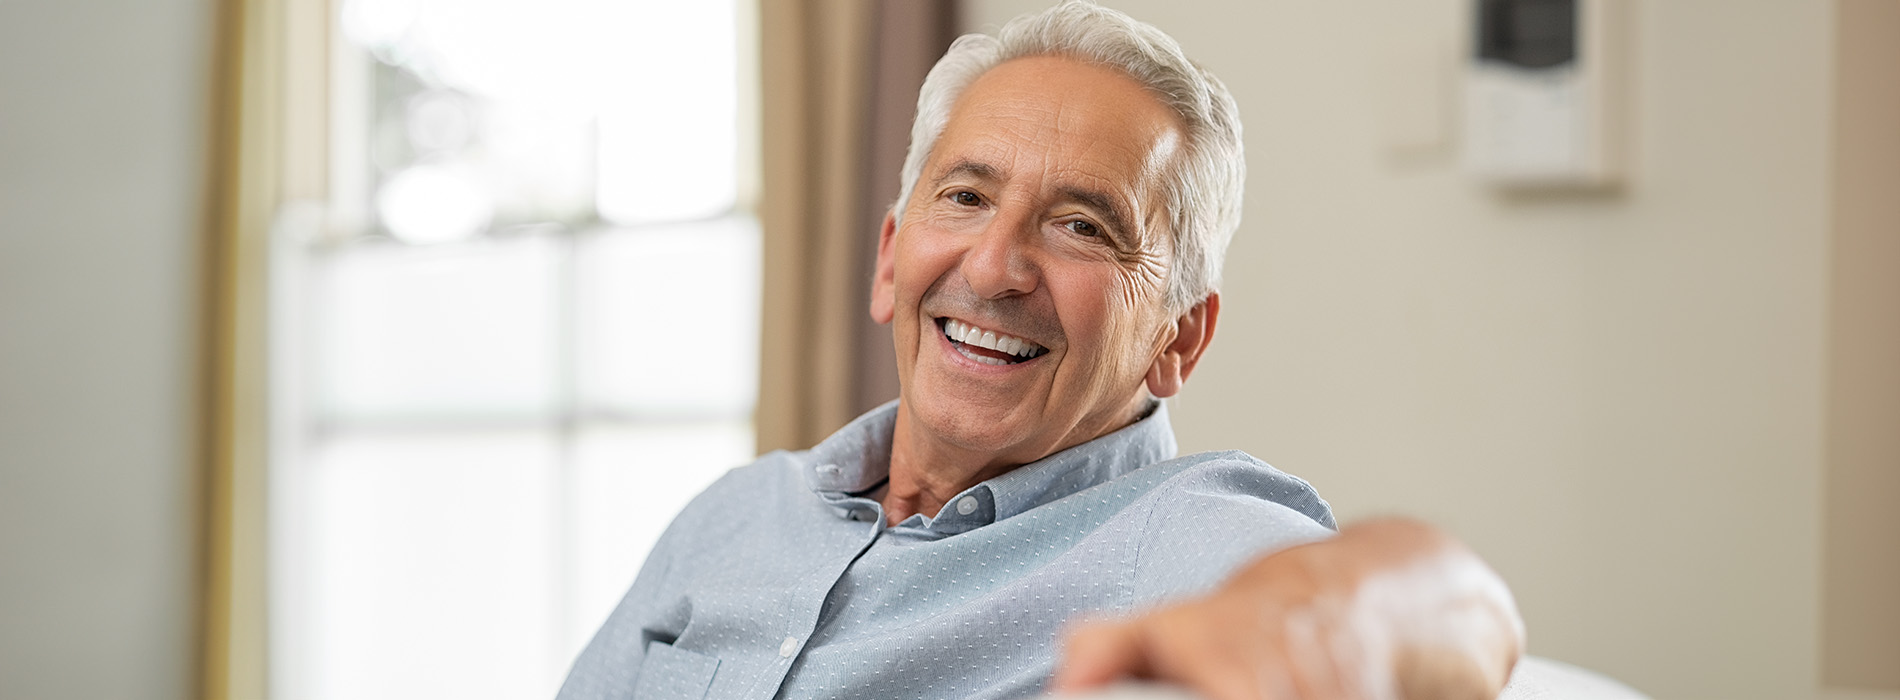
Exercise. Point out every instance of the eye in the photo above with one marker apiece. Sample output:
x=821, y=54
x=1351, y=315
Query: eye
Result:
x=1082, y=228
x=966, y=198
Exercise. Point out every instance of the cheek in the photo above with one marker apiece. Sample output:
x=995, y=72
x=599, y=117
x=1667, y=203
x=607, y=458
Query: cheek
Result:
x=913, y=259
x=920, y=262
x=1125, y=309
x=1096, y=317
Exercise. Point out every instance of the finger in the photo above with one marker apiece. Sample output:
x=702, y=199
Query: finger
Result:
x=1195, y=651
x=1439, y=672
x=1314, y=659
x=1095, y=653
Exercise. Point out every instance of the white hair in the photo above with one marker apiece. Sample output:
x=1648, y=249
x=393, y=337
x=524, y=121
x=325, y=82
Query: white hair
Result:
x=1203, y=186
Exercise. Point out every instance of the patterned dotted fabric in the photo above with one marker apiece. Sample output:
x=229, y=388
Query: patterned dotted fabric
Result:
x=781, y=580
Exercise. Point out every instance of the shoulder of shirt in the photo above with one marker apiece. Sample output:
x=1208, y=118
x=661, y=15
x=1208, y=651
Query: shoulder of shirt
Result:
x=724, y=507
x=1211, y=513
x=767, y=474
x=1238, y=477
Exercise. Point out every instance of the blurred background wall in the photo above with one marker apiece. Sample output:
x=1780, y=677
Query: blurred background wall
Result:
x=103, y=126
x=1666, y=412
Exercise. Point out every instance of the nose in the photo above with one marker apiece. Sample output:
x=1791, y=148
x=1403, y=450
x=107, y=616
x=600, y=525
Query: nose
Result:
x=999, y=262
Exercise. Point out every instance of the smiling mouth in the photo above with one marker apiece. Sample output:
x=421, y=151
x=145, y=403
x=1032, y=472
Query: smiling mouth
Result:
x=988, y=347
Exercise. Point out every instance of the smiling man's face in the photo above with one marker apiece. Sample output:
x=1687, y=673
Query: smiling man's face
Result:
x=1038, y=221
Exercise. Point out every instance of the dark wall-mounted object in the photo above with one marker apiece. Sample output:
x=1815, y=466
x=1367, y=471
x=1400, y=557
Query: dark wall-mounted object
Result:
x=1527, y=33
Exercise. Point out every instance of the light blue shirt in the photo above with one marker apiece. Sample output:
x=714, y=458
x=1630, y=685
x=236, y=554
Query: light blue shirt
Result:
x=782, y=581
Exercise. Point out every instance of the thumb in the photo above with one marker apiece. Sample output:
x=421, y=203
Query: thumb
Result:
x=1096, y=653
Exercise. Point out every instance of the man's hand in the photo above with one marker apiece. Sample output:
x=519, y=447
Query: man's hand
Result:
x=1388, y=609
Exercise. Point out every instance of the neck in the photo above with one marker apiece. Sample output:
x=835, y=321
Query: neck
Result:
x=926, y=472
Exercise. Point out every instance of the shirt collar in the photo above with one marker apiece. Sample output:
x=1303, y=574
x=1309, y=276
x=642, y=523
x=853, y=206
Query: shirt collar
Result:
x=857, y=459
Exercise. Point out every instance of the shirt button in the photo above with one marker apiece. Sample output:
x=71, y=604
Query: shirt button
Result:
x=967, y=505
x=788, y=646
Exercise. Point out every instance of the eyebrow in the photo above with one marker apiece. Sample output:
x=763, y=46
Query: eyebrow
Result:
x=965, y=166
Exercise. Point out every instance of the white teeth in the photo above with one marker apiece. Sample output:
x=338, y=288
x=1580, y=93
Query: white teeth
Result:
x=971, y=335
x=982, y=359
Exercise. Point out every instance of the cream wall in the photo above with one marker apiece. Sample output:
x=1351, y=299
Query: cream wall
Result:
x=1616, y=398
x=102, y=129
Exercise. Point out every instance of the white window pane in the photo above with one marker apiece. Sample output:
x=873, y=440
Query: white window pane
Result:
x=433, y=569
x=435, y=560
x=629, y=482
x=434, y=204
x=671, y=318
x=669, y=125
x=538, y=162
x=466, y=330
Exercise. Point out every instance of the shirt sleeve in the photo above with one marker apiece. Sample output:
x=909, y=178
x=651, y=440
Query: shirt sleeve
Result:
x=1216, y=516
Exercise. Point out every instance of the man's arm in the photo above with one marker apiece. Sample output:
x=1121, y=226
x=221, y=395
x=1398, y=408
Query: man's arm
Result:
x=1390, y=608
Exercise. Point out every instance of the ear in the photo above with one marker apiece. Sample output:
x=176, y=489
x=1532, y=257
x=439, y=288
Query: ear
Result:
x=884, y=282
x=1193, y=332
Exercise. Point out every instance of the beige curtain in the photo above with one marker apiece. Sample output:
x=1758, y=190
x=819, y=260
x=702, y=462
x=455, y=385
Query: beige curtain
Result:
x=242, y=191
x=1860, y=615
x=268, y=147
x=839, y=87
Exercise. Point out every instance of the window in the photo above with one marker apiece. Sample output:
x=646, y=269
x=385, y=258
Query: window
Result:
x=525, y=338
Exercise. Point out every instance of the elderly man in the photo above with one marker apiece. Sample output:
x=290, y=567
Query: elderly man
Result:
x=1049, y=274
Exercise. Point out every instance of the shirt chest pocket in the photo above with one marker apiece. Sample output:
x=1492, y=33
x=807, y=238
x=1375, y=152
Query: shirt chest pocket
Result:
x=670, y=673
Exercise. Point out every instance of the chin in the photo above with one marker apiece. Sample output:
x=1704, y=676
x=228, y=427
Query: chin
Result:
x=977, y=429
